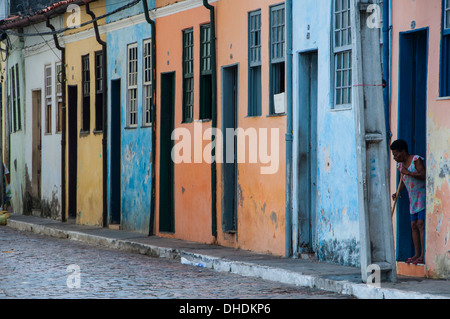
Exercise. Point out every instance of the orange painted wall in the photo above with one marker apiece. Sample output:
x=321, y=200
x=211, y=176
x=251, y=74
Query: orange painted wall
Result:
x=428, y=14
x=192, y=189
x=261, y=207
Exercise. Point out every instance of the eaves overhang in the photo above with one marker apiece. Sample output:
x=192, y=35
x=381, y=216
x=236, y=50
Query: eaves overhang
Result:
x=21, y=21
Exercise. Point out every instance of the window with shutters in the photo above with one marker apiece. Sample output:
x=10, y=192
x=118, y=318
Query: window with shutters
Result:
x=342, y=50
x=132, y=85
x=445, y=50
x=147, y=83
x=188, y=75
x=277, y=53
x=254, y=57
x=86, y=90
x=48, y=99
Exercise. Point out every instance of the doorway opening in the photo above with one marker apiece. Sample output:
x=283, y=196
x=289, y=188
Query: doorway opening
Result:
x=229, y=166
x=36, y=152
x=72, y=132
x=307, y=152
x=166, y=170
x=411, y=120
x=116, y=196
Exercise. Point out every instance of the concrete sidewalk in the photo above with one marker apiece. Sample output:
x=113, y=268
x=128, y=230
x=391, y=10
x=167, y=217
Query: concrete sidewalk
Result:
x=330, y=277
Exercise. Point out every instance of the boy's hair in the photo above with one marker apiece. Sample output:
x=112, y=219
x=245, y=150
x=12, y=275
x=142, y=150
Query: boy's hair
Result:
x=399, y=145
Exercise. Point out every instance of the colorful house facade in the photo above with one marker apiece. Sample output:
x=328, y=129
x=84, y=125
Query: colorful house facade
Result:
x=250, y=124
x=340, y=196
x=84, y=61
x=204, y=82
x=130, y=112
x=32, y=116
x=419, y=115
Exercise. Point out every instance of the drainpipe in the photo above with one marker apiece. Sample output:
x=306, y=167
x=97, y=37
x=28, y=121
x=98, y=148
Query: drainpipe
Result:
x=289, y=133
x=213, y=117
x=63, y=128
x=153, y=115
x=105, y=122
x=386, y=65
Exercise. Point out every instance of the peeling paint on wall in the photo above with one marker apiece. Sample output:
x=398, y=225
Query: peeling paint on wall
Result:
x=343, y=252
x=438, y=200
x=136, y=153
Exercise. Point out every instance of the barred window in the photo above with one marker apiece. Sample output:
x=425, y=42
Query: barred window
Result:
x=277, y=53
x=188, y=75
x=86, y=85
x=58, y=85
x=342, y=49
x=445, y=51
x=254, y=52
x=447, y=14
x=147, y=87
x=132, y=85
x=48, y=99
x=99, y=93
x=205, y=72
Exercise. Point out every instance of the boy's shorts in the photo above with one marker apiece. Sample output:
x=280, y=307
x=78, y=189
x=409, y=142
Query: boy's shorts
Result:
x=418, y=216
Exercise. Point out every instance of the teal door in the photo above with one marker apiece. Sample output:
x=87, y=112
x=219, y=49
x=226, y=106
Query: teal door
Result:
x=166, y=178
x=229, y=167
x=307, y=149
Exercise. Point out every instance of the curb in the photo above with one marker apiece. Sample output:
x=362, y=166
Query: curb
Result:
x=358, y=290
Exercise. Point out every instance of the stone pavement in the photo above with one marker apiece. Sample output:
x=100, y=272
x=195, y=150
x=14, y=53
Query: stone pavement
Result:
x=329, y=277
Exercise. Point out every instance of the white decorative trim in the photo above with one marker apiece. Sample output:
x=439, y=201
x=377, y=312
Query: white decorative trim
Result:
x=137, y=19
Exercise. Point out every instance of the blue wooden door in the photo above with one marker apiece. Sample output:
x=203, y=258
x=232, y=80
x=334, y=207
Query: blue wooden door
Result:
x=411, y=120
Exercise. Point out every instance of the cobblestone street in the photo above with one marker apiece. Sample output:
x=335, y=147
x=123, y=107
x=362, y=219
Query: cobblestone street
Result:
x=35, y=266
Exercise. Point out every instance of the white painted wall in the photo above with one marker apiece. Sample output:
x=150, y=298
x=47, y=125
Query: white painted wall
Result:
x=38, y=52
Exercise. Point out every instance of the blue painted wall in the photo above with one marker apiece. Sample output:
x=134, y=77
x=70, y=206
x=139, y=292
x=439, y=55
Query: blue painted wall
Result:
x=134, y=10
x=136, y=143
x=337, y=227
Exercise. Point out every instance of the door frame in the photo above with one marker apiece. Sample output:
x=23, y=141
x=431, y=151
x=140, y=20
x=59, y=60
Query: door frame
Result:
x=305, y=234
x=167, y=211
x=116, y=153
x=72, y=149
x=404, y=242
x=230, y=219
x=36, y=175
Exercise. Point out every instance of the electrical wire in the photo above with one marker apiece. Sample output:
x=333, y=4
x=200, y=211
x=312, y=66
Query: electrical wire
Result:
x=129, y=5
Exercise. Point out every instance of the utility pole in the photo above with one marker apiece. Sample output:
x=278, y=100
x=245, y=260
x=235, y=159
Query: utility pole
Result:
x=376, y=231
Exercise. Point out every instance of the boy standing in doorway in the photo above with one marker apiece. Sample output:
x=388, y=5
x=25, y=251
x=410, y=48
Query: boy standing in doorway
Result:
x=412, y=170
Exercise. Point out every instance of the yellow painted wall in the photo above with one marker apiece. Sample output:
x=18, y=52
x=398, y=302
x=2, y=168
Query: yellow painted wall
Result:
x=90, y=162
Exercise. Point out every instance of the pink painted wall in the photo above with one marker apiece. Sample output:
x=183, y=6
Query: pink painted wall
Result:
x=427, y=13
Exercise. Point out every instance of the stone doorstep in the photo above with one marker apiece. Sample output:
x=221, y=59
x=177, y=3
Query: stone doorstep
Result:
x=410, y=270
